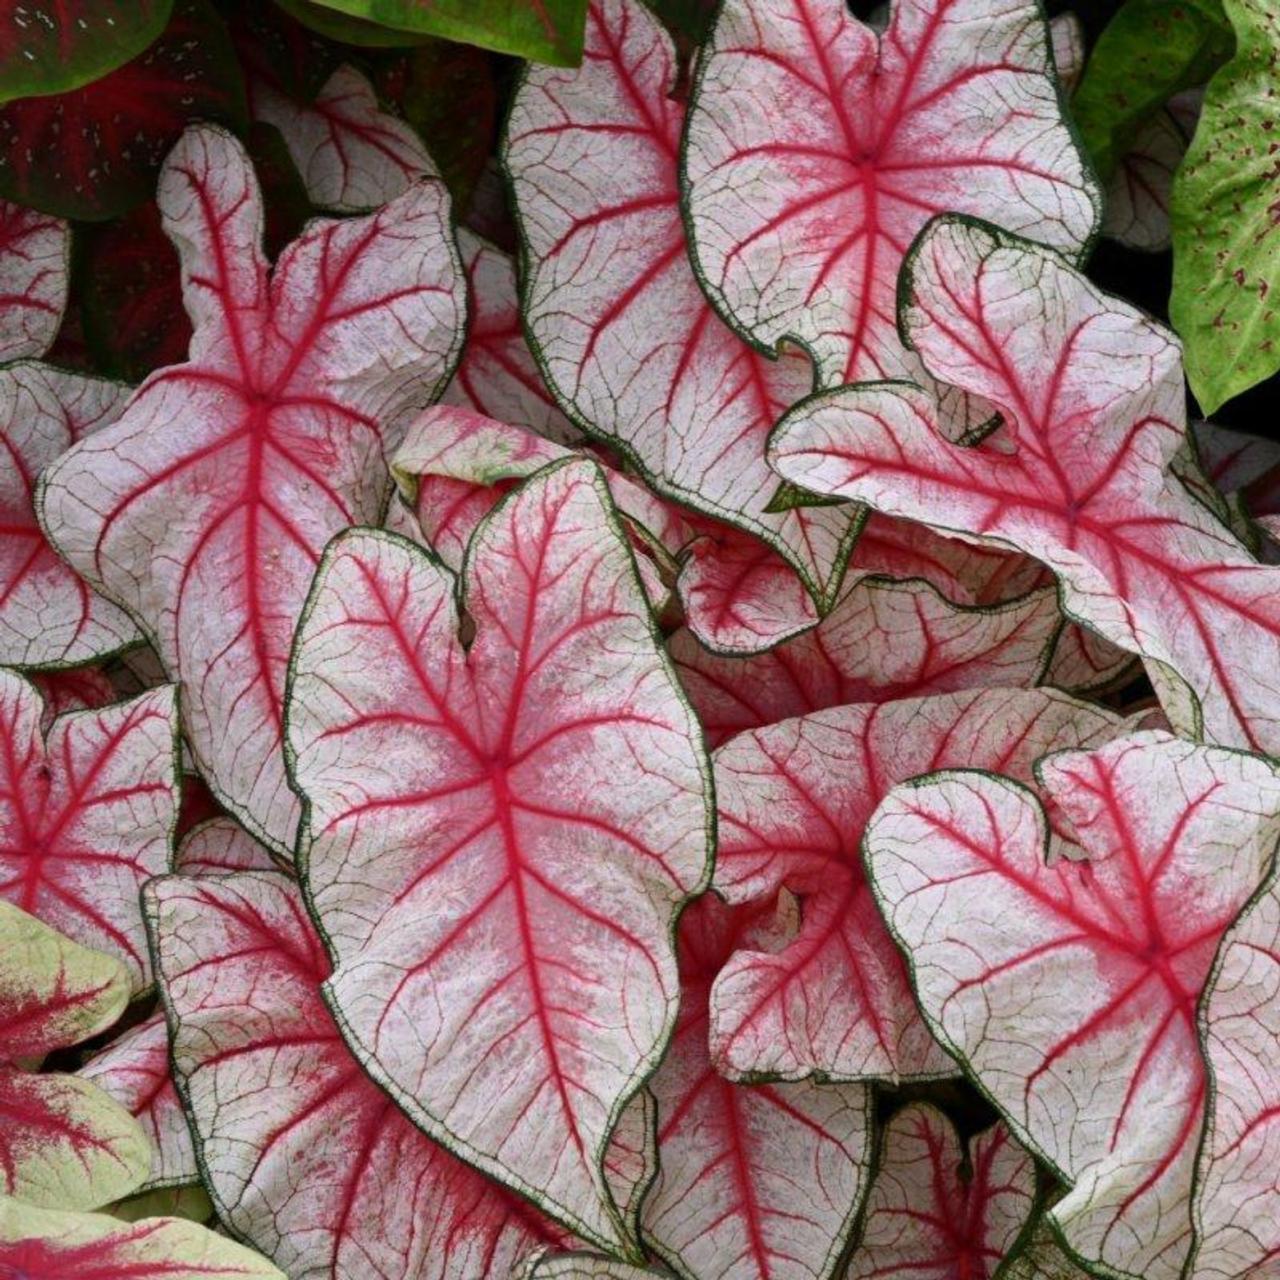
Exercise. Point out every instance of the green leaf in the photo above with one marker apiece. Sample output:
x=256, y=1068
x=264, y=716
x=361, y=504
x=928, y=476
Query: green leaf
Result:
x=59, y=45
x=1225, y=212
x=1149, y=51
x=348, y=30
x=543, y=30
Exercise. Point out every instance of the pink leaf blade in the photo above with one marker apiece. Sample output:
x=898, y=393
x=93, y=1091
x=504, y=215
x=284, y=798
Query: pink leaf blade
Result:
x=35, y=264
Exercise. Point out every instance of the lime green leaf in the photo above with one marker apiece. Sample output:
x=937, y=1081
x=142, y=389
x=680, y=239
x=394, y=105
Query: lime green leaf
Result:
x=544, y=30
x=1225, y=213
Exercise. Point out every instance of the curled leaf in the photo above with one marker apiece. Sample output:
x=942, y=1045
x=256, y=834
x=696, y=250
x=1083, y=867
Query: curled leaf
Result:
x=35, y=252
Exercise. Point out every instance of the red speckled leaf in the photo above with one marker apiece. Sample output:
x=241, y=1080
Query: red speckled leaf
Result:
x=618, y=323
x=543, y=790
x=303, y=1155
x=87, y=814
x=816, y=151
x=757, y=1182
x=1092, y=394
x=35, y=252
x=939, y=1211
x=93, y=153
x=794, y=800
x=48, y=616
x=204, y=509
x=1069, y=988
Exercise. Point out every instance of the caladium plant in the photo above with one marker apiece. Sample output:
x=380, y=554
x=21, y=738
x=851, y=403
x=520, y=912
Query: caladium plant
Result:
x=34, y=265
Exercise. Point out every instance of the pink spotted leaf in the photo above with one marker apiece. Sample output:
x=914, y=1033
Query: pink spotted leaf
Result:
x=204, y=509
x=35, y=252
x=1107, y=1085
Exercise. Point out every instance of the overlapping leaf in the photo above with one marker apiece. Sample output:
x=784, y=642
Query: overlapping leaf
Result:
x=756, y=1182
x=543, y=790
x=34, y=263
x=48, y=616
x=817, y=150
x=220, y=844
x=939, y=1211
x=618, y=323
x=87, y=814
x=1069, y=988
x=1091, y=392
x=204, y=509
x=794, y=799
x=304, y=1156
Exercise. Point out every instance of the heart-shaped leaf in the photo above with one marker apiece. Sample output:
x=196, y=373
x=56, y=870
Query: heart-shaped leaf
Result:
x=48, y=617
x=794, y=800
x=620, y=328
x=1091, y=391
x=1069, y=988
x=816, y=150
x=756, y=1182
x=544, y=790
x=35, y=252
x=939, y=1211
x=243, y=462
x=303, y=1155
x=87, y=814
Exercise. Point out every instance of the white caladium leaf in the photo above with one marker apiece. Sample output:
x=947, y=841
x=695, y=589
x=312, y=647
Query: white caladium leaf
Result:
x=63, y=1142
x=616, y=318
x=1244, y=468
x=1237, y=1200
x=885, y=639
x=543, y=789
x=1042, y=1258
x=816, y=150
x=1107, y=1083
x=938, y=1211
x=46, y=1244
x=351, y=155
x=303, y=1155
x=1067, y=40
x=134, y=1070
x=35, y=264
x=582, y=1266
x=755, y=1182
x=794, y=800
x=497, y=375
x=48, y=616
x=1091, y=392
x=204, y=509
x=221, y=844
x=87, y=814
x=74, y=689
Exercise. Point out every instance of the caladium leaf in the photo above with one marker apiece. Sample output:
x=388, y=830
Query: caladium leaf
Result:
x=45, y=1244
x=816, y=150
x=352, y=156
x=87, y=814
x=885, y=639
x=794, y=800
x=35, y=252
x=134, y=1070
x=1237, y=1200
x=55, y=47
x=1094, y=424
x=1108, y=1085
x=48, y=616
x=1042, y=1258
x=616, y=318
x=303, y=1155
x=94, y=152
x=756, y=1182
x=62, y=1140
x=1067, y=41
x=940, y=1211
x=295, y=382
x=1235, y=461
x=582, y=1266
x=516, y=803
x=221, y=844
x=72, y=690
x=190, y=1203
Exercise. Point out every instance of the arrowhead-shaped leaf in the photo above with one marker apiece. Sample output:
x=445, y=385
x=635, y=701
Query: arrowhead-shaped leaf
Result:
x=816, y=150
x=938, y=1211
x=620, y=328
x=1091, y=392
x=35, y=252
x=303, y=1155
x=543, y=790
x=1069, y=988
x=87, y=814
x=48, y=616
x=756, y=1182
x=204, y=509
x=794, y=800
